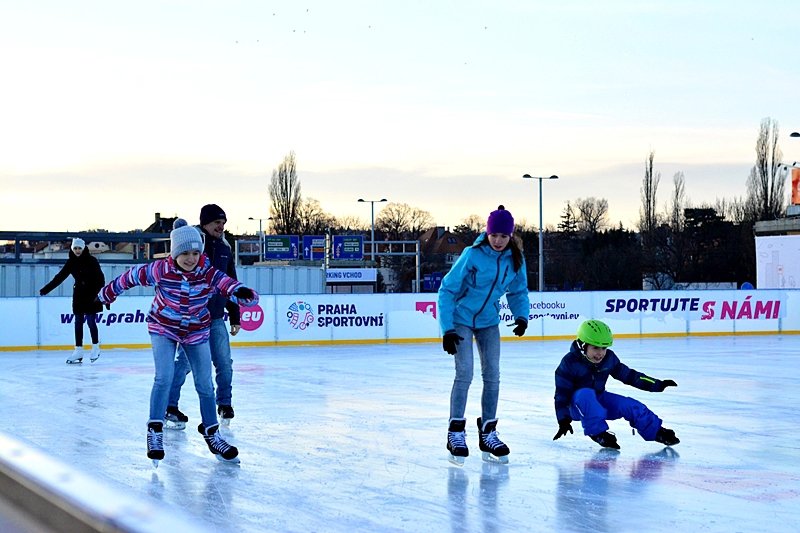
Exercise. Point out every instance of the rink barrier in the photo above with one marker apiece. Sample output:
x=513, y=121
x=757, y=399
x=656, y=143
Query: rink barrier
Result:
x=39, y=493
x=35, y=323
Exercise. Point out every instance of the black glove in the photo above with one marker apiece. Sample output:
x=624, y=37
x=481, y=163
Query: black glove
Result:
x=41, y=292
x=522, y=325
x=564, y=426
x=244, y=293
x=450, y=342
x=666, y=383
x=108, y=307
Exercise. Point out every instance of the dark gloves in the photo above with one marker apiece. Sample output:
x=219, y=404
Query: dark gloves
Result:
x=666, y=383
x=450, y=342
x=107, y=306
x=564, y=426
x=522, y=325
x=244, y=293
x=41, y=292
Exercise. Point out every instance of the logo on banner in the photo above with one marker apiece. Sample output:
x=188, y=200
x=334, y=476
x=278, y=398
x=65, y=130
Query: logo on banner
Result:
x=251, y=317
x=299, y=315
x=427, y=308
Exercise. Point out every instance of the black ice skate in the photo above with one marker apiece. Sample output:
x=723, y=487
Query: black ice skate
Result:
x=606, y=439
x=667, y=437
x=221, y=449
x=225, y=413
x=457, y=441
x=494, y=450
x=174, y=418
x=155, y=442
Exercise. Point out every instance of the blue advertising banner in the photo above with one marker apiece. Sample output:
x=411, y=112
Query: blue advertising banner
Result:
x=314, y=247
x=282, y=247
x=348, y=247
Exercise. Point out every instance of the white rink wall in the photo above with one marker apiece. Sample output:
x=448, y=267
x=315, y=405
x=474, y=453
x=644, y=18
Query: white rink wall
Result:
x=46, y=322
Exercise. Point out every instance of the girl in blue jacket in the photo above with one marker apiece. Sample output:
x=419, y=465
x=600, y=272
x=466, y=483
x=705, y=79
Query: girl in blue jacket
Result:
x=581, y=390
x=469, y=307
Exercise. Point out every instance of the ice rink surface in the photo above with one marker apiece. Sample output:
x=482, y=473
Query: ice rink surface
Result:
x=352, y=438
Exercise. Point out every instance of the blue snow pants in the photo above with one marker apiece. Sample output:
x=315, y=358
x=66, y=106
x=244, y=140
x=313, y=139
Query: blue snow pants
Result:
x=593, y=409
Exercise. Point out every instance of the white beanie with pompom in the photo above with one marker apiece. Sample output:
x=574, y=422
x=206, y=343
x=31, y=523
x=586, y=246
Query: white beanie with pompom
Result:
x=184, y=238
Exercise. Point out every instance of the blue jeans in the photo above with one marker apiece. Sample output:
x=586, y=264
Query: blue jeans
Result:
x=223, y=365
x=199, y=357
x=594, y=409
x=488, y=341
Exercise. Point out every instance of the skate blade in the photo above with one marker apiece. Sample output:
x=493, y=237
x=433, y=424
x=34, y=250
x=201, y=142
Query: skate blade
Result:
x=234, y=461
x=94, y=359
x=489, y=458
x=225, y=422
x=155, y=462
x=74, y=361
x=169, y=424
x=456, y=459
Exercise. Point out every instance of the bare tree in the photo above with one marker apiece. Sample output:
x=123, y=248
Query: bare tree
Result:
x=398, y=221
x=313, y=220
x=648, y=220
x=677, y=203
x=592, y=214
x=351, y=223
x=765, y=185
x=474, y=223
x=284, y=195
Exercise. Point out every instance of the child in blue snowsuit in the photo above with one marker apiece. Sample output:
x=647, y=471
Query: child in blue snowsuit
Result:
x=581, y=391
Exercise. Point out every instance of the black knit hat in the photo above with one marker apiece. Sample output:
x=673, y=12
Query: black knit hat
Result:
x=210, y=213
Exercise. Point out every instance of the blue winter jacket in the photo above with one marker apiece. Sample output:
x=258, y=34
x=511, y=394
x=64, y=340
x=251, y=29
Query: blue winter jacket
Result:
x=470, y=292
x=221, y=256
x=576, y=372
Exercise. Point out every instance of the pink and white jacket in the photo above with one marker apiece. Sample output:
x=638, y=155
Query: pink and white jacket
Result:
x=179, y=309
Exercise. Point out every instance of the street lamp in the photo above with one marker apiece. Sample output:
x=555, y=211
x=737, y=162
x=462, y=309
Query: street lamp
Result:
x=372, y=224
x=260, y=234
x=541, y=237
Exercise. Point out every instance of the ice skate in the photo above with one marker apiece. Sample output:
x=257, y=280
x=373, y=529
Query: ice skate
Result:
x=155, y=442
x=77, y=356
x=606, y=439
x=666, y=436
x=225, y=413
x=457, y=441
x=217, y=445
x=492, y=448
x=95, y=355
x=174, y=418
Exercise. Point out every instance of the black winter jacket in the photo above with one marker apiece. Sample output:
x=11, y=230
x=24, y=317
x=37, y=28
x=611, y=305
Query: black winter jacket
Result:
x=89, y=279
x=221, y=256
x=577, y=372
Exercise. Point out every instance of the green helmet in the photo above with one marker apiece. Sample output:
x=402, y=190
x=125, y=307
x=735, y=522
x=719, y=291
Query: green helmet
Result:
x=595, y=333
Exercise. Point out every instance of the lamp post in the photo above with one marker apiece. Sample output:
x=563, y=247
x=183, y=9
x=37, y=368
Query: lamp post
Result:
x=541, y=236
x=260, y=235
x=372, y=224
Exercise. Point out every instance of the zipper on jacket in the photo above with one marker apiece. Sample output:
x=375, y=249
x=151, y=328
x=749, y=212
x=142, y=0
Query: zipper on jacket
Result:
x=489, y=292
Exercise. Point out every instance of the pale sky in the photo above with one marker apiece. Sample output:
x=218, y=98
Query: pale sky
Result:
x=113, y=111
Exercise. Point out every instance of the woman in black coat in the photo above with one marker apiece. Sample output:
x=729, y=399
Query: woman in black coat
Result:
x=89, y=279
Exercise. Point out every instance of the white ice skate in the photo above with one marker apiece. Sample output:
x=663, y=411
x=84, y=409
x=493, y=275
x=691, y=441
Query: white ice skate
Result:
x=77, y=356
x=95, y=355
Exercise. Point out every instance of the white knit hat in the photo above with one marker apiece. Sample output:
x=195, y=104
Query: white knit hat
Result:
x=77, y=242
x=184, y=238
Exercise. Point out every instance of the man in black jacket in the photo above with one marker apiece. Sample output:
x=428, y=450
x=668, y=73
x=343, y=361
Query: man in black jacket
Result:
x=212, y=226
